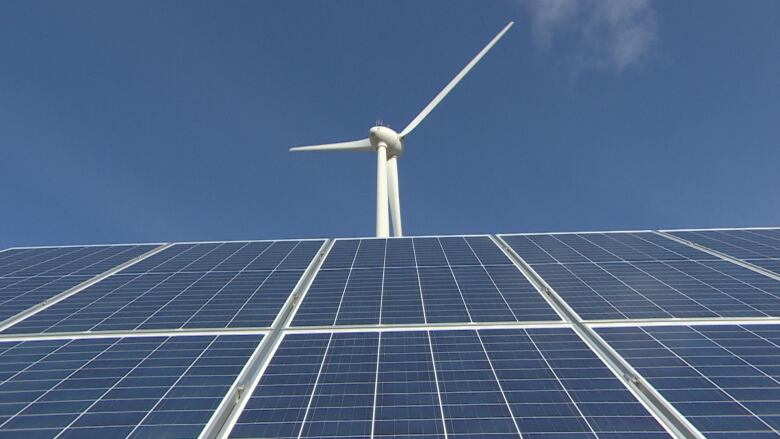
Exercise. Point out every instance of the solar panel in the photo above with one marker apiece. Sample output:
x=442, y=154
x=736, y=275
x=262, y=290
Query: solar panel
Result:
x=541, y=383
x=30, y=276
x=220, y=285
x=67, y=261
x=644, y=275
x=434, y=337
x=117, y=387
x=760, y=247
x=417, y=281
x=725, y=379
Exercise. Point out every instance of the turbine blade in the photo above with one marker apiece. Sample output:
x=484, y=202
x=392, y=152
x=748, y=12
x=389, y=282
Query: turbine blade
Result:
x=442, y=94
x=355, y=145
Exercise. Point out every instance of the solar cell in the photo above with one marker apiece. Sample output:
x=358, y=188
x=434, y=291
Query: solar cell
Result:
x=30, y=276
x=760, y=247
x=419, y=280
x=644, y=275
x=725, y=379
x=117, y=387
x=541, y=383
x=226, y=285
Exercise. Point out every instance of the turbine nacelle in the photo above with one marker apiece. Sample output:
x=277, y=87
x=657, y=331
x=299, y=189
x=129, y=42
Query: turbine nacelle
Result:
x=387, y=136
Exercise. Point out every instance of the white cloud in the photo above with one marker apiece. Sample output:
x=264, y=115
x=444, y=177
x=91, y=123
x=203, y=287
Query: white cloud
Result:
x=595, y=34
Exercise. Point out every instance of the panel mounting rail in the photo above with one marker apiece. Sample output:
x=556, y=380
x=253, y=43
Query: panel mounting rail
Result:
x=666, y=414
x=233, y=404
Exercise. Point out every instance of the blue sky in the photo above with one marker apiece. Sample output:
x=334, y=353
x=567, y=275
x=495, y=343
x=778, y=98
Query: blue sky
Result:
x=164, y=121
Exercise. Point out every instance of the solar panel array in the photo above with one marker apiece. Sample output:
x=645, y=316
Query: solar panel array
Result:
x=544, y=336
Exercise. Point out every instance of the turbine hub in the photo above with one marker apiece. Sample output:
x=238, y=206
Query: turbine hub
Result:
x=390, y=138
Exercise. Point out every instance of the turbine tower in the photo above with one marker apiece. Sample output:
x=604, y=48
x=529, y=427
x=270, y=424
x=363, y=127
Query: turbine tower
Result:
x=389, y=145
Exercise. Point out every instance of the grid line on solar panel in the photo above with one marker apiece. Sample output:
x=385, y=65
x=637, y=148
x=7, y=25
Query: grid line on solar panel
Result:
x=121, y=387
x=760, y=247
x=222, y=256
x=222, y=286
x=558, y=378
x=22, y=288
x=463, y=384
x=17, y=256
x=113, y=386
x=56, y=261
x=376, y=386
x=457, y=285
x=568, y=248
x=501, y=388
x=435, y=372
x=742, y=244
x=600, y=280
x=724, y=379
x=419, y=281
x=18, y=260
x=419, y=284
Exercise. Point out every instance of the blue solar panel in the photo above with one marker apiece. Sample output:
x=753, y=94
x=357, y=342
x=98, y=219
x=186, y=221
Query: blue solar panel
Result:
x=419, y=280
x=117, y=387
x=229, y=256
x=760, y=247
x=724, y=379
x=228, y=285
x=67, y=261
x=541, y=383
x=30, y=276
x=644, y=275
x=407, y=400
x=568, y=248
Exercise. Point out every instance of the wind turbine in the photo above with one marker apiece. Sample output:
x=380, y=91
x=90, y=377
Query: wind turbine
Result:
x=389, y=145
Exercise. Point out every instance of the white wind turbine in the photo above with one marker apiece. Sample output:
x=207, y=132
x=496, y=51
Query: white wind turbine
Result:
x=389, y=145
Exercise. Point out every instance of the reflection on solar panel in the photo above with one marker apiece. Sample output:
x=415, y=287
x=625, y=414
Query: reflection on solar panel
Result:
x=116, y=387
x=725, y=379
x=30, y=276
x=227, y=285
x=419, y=280
x=760, y=247
x=487, y=383
x=644, y=275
